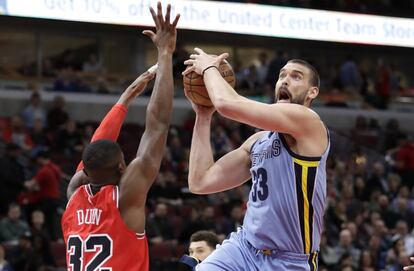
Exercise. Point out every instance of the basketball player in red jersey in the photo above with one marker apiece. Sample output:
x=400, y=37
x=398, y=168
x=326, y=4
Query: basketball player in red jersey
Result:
x=104, y=223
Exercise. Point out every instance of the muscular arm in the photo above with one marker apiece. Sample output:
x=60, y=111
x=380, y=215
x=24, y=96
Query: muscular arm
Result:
x=231, y=170
x=300, y=122
x=110, y=126
x=141, y=172
x=153, y=141
x=293, y=119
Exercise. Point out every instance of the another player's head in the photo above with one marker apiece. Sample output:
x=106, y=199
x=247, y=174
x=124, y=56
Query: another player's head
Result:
x=298, y=83
x=202, y=244
x=104, y=162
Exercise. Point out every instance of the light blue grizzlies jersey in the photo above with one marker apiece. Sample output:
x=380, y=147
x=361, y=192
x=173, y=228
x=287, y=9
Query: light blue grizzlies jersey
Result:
x=287, y=198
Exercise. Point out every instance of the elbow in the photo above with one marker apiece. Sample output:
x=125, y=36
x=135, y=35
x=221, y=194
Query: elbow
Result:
x=223, y=106
x=195, y=188
x=162, y=121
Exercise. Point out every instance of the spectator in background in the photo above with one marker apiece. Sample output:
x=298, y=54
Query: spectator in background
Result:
x=12, y=227
x=12, y=177
x=350, y=76
x=393, y=134
x=405, y=161
x=202, y=244
x=4, y=265
x=250, y=83
x=41, y=238
x=33, y=111
x=159, y=229
x=102, y=86
x=48, y=69
x=401, y=231
x=57, y=115
x=378, y=179
x=235, y=221
x=66, y=80
x=393, y=254
x=17, y=134
x=92, y=65
x=382, y=85
x=39, y=137
x=45, y=184
x=262, y=69
x=345, y=247
x=277, y=63
x=69, y=139
x=366, y=262
x=23, y=257
x=67, y=61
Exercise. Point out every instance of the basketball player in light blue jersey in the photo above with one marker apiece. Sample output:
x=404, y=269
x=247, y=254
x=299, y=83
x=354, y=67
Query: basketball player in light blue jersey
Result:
x=286, y=162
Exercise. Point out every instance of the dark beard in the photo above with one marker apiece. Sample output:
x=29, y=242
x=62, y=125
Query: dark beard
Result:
x=299, y=99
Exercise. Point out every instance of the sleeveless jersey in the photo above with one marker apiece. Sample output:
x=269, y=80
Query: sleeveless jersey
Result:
x=97, y=238
x=287, y=198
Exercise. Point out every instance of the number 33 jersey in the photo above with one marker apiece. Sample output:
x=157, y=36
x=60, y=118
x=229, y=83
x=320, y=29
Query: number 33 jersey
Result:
x=97, y=238
x=287, y=197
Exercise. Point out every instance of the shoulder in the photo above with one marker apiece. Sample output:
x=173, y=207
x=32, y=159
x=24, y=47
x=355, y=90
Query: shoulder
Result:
x=248, y=144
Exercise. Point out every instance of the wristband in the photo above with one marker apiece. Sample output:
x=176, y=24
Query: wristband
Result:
x=212, y=66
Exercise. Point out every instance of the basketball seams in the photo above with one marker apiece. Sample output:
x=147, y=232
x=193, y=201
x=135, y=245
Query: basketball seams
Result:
x=195, y=88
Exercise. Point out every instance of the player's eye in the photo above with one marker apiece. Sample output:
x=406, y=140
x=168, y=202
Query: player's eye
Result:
x=297, y=77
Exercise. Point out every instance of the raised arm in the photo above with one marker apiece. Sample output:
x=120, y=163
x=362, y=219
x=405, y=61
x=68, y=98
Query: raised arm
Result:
x=141, y=172
x=293, y=119
x=110, y=126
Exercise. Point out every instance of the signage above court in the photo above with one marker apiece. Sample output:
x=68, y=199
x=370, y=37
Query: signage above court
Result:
x=250, y=19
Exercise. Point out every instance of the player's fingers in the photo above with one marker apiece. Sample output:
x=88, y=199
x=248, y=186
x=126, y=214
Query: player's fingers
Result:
x=412, y=258
x=159, y=13
x=176, y=20
x=223, y=56
x=154, y=17
x=188, y=70
x=411, y=267
x=153, y=69
x=149, y=34
x=199, y=51
x=189, y=62
x=193, y=56
x=168, y=14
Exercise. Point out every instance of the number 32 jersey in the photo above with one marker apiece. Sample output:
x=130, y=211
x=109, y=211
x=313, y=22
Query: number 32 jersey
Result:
x=97, y=238
x=287, y=197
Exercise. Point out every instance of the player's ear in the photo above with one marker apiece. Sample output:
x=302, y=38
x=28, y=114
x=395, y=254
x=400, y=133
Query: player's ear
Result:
x=121, y=168
x=313, y=92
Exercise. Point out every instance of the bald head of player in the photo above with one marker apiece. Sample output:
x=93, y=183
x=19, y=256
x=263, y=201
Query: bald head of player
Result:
x=104, y=162
x=298, y=83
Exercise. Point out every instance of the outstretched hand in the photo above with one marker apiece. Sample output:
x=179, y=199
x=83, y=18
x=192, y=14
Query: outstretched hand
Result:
x=410, y=267
x=138, y=86
x=200, y=61
x=166, y=32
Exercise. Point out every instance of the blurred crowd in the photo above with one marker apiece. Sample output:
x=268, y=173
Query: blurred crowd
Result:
x=354, y=81
x=369, y=215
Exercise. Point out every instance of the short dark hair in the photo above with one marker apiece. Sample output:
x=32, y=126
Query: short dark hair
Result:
x=101, y=154
x=208, y=236
x=314, y=80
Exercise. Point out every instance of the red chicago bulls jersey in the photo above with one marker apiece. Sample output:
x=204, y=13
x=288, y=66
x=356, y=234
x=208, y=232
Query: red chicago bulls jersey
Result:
x=97, y=238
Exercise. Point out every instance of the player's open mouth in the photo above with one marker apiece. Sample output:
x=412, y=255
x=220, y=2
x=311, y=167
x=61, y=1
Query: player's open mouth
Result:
x=284, y=95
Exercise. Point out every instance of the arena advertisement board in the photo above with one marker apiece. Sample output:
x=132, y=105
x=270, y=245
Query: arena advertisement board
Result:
x=251, y=19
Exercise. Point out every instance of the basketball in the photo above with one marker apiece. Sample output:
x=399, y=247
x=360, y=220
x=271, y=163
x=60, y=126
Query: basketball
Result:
x=196, y=90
